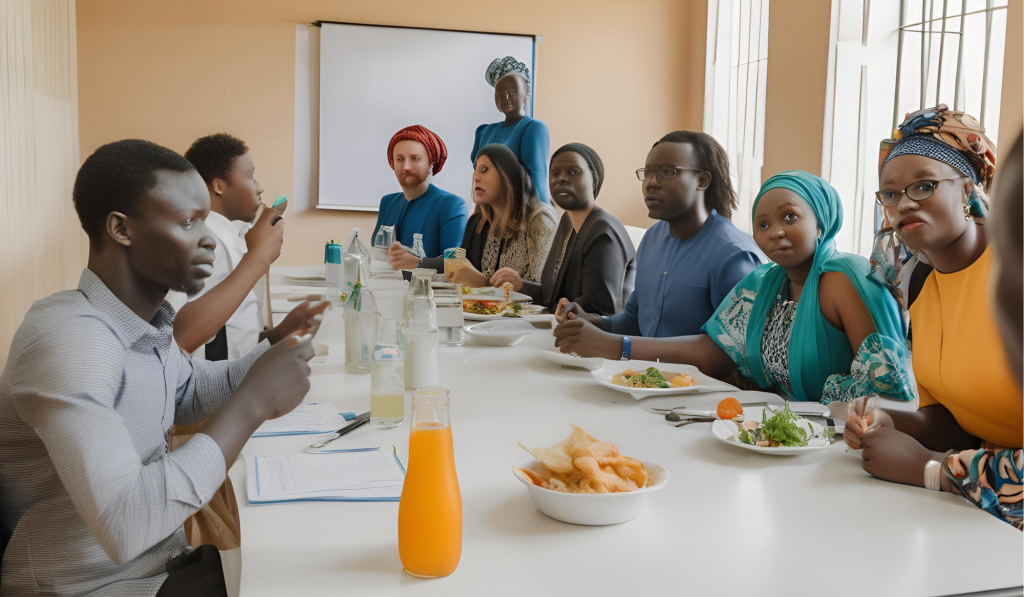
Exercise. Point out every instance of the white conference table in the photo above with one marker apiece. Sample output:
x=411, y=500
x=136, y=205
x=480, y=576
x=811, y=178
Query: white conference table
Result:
x=729, y=522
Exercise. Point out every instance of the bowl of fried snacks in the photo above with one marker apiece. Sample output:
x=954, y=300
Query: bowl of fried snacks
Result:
x=584, y=481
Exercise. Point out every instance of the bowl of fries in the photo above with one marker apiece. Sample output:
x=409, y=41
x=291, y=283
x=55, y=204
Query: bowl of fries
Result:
x=588, y=482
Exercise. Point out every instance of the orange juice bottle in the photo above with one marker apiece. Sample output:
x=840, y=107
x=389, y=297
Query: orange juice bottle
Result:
x=430, y=511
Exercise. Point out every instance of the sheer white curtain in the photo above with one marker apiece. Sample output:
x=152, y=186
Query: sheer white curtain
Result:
x=735, y=76
x=42, y=247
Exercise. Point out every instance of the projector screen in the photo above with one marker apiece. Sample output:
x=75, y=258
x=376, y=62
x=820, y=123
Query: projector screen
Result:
x=375, y=80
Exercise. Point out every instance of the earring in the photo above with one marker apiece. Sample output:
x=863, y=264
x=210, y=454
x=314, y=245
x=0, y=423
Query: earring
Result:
x=967, y=212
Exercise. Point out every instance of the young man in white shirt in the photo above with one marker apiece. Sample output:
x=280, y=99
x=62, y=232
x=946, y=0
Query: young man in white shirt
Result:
x=224, y=318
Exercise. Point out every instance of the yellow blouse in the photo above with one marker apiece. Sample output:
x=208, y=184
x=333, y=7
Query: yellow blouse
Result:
x=958, y=355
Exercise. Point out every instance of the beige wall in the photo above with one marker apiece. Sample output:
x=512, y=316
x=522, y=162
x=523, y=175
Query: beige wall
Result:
x=615, y=74
x=798, y=43
x=42, y=246
x=1011, y=105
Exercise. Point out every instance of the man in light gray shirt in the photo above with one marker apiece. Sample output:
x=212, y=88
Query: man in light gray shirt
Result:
x=93, y=497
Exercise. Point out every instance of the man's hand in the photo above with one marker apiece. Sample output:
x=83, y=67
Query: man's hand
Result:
x=570, y=311
x=399, y=258
x=306, y=316
x=278, y=380
x=582, y=338
x=265, y=238
x=507, y=274
x=895, y=456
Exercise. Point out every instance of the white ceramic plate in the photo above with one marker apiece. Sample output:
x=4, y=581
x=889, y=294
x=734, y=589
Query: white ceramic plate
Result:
x=500, y=333
x=568, y=360
x=705, y=383
x=593, y=509
x=490, y=293
x=528, y=313
x=726, y=431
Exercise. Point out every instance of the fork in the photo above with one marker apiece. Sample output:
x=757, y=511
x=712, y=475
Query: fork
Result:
x=692, y=421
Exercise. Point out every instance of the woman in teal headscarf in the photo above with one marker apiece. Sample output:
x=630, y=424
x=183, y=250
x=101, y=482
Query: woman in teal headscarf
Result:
x=812, y=325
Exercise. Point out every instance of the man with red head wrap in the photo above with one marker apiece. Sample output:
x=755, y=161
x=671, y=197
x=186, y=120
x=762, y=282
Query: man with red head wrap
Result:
x=415, y=154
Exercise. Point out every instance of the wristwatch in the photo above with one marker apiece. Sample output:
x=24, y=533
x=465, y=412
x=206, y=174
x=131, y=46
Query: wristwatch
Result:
x=627, y=348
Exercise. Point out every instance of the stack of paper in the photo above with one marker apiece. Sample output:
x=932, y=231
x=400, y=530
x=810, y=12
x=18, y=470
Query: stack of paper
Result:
x=314, y=417
x=366, y=475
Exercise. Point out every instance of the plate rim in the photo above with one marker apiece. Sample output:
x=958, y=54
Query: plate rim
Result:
x=788, y=450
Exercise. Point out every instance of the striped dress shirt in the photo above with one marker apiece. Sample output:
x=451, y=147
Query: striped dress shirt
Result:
x=94, y=498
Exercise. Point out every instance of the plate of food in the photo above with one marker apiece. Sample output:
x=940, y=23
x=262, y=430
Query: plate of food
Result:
x=486, y=310
x=643, y=379
x=585, y=481
x=779, y=432
x=505, y=294
x=570, y=360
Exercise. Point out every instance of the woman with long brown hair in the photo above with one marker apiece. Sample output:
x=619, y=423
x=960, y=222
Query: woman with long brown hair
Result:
x=510, y=227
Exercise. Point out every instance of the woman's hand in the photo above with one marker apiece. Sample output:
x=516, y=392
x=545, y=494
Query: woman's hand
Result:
x=561, y=314
x=863, y=419
x=399, y=258
x=895, y=456
x=507, y=274
x=468, y=277
x=583, y=339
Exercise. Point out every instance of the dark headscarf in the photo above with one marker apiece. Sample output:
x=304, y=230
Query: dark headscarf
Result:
x=435, y=146
x=590, y=156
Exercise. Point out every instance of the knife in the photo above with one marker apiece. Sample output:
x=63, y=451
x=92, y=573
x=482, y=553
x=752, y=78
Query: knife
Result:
x=354, y=424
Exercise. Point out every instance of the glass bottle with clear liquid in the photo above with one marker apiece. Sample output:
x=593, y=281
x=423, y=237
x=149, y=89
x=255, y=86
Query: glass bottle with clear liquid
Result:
x=430, y=510
x=387, y=376
x=421, y=334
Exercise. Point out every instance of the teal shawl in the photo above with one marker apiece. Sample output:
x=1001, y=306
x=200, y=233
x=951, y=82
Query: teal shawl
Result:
x=882, y=365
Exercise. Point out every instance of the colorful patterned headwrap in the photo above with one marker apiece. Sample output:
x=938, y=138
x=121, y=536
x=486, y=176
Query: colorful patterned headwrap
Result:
x=948, y=136
x=435, y=146
x=505, y=66
x=959, y=130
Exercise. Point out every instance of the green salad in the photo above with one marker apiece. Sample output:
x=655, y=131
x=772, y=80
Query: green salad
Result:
x=652, y=378
x=780, y=429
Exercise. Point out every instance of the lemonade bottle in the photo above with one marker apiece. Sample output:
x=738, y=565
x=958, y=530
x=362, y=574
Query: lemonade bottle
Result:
x=387, y=376
x=430, y=511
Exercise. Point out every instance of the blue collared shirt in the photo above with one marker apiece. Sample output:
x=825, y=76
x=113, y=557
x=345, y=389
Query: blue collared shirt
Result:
x=680, y=283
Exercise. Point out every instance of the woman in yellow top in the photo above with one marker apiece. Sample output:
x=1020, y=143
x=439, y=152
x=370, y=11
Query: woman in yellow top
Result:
x=932, y=181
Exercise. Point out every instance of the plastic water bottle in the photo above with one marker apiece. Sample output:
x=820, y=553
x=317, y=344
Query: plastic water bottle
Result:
x=422, y=348
x=387, y=376
x=417, y=246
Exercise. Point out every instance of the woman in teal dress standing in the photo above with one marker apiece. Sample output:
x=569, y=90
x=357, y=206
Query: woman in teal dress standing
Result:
x=526, y=137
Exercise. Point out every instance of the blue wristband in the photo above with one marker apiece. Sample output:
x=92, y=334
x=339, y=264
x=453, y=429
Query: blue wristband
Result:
x=627, y=348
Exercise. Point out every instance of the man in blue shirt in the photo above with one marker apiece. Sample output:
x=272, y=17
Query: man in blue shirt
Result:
x=688, y=262
x=415, y=153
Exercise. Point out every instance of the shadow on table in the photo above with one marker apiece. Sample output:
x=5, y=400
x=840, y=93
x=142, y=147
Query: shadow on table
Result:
x=713, y=451
x=519, y=516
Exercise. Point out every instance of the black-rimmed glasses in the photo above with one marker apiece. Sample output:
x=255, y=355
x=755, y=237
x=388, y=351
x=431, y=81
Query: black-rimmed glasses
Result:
x=662, y=172
x=917, y=191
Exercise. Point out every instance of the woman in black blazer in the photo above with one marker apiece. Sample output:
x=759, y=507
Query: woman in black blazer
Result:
x=592, y=261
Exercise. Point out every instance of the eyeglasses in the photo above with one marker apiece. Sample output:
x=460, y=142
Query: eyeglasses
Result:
x=662, y=172
x=917, y=191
